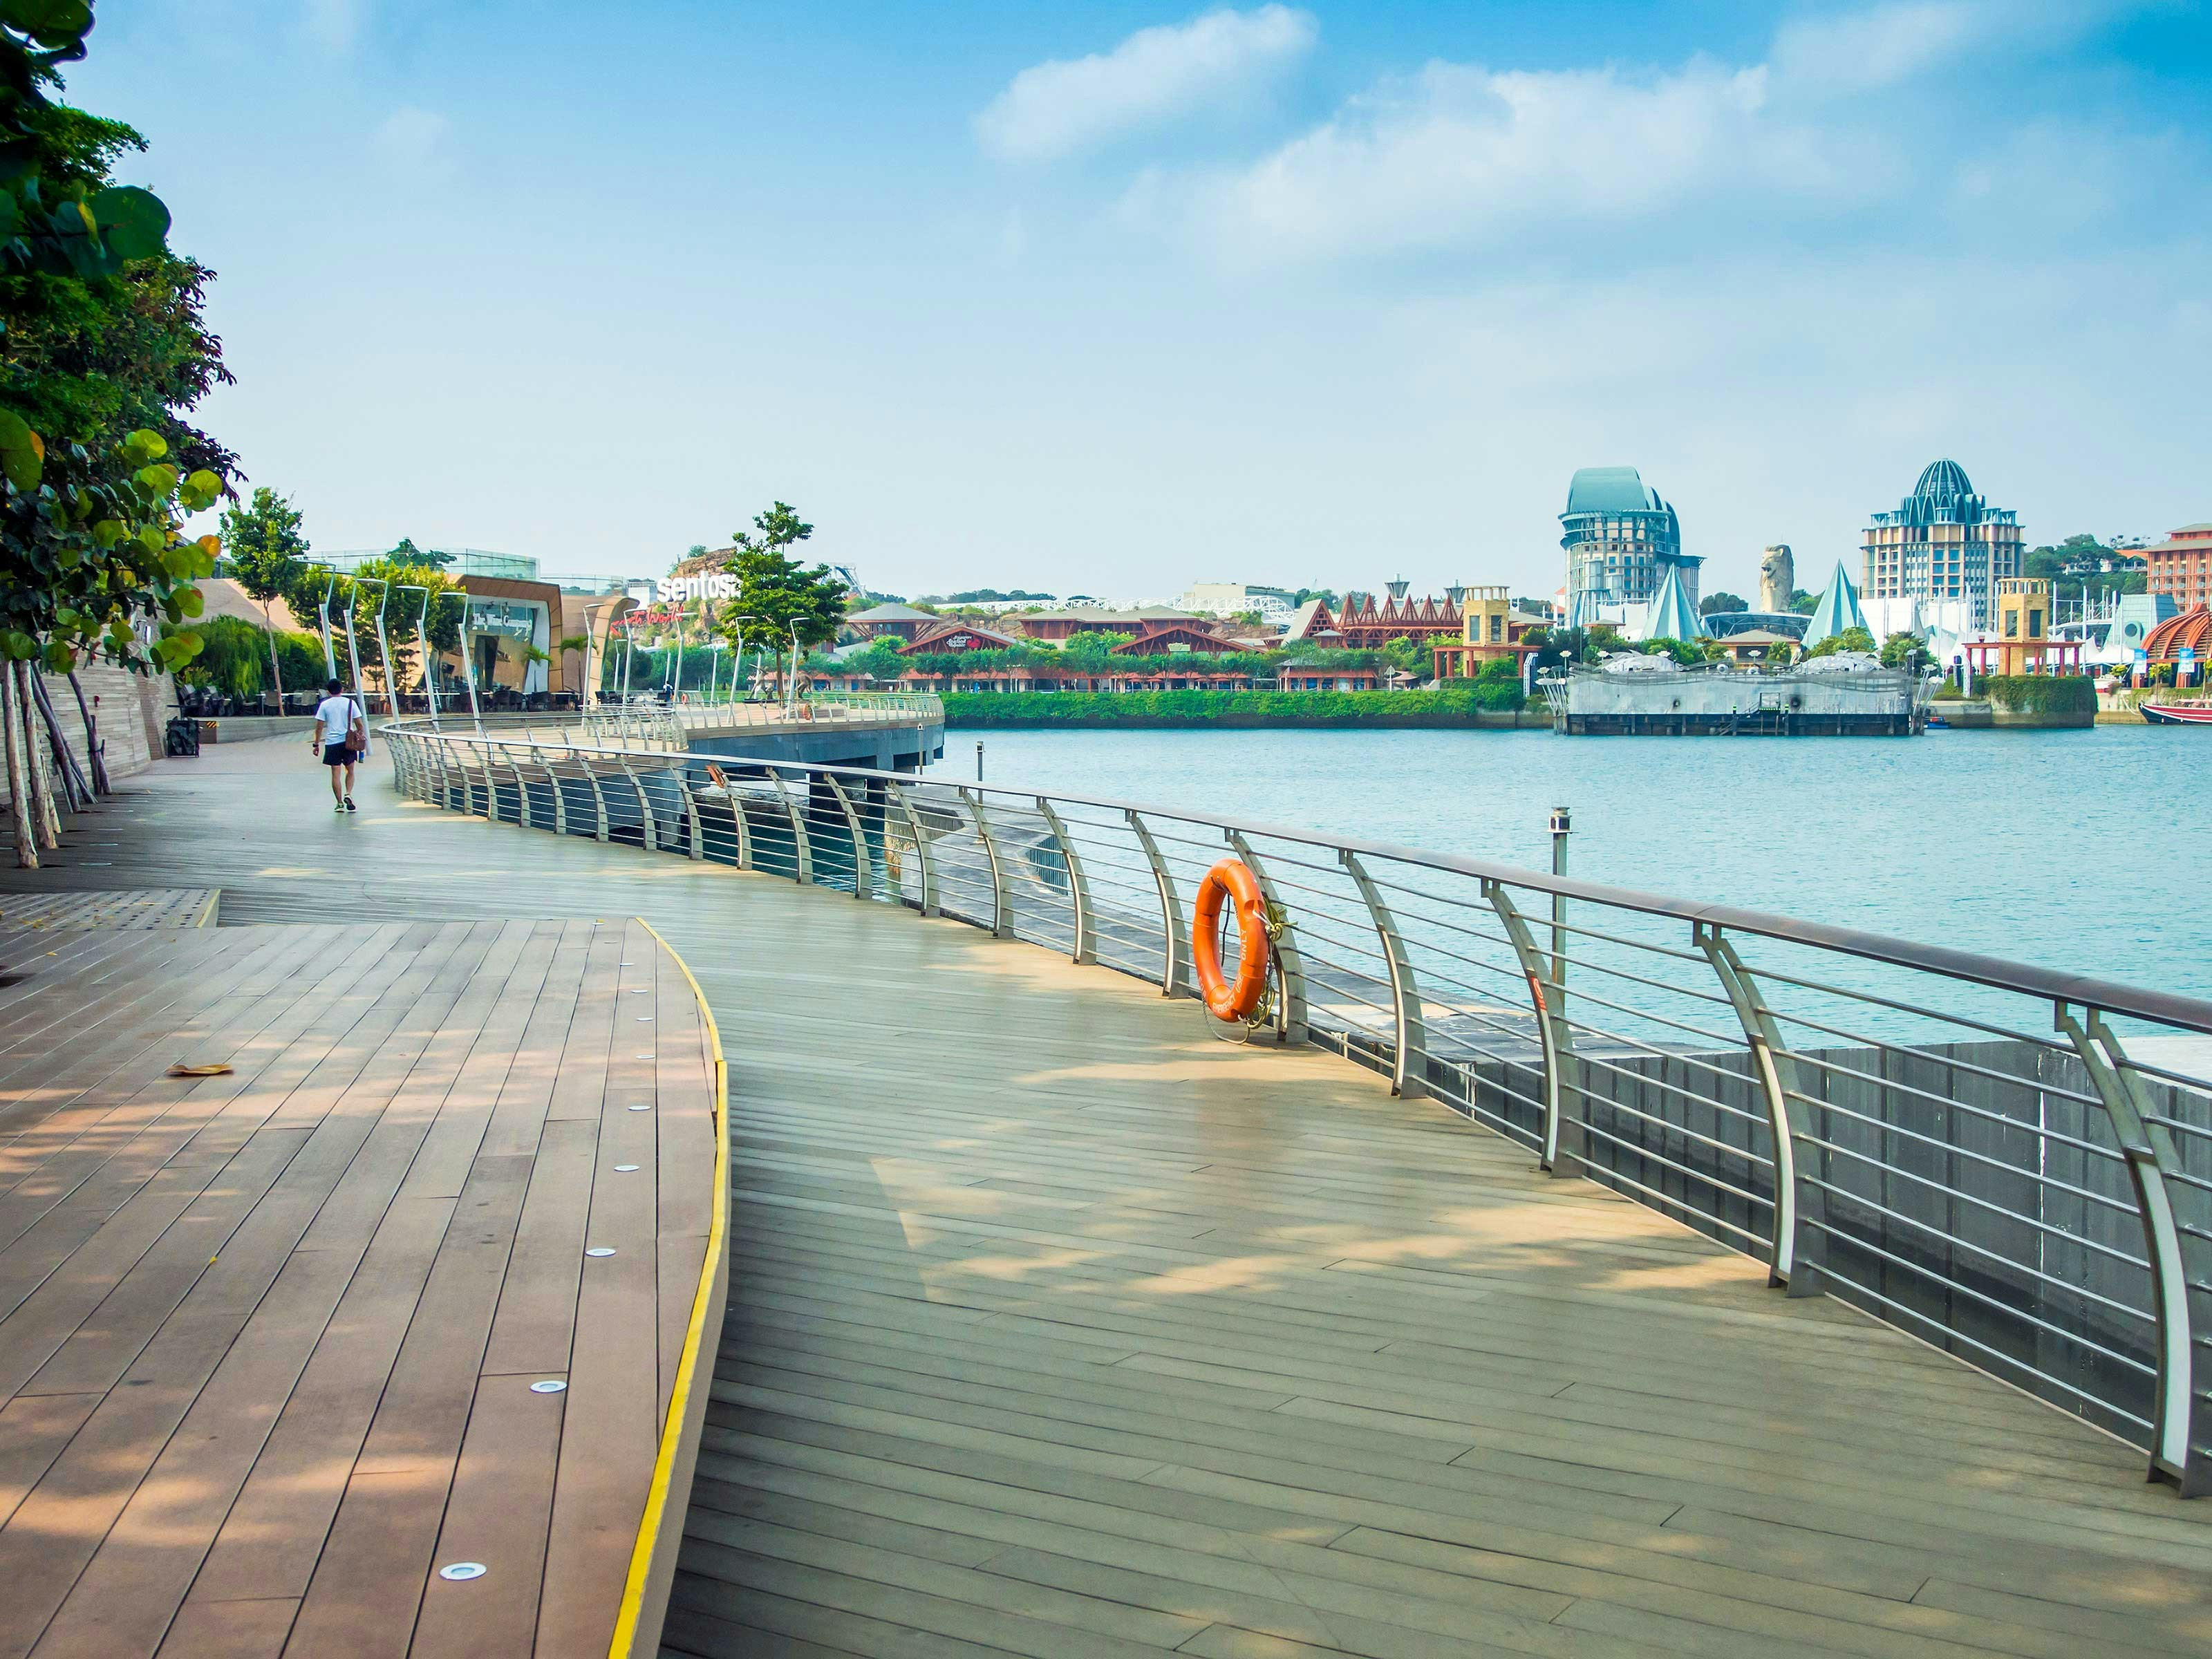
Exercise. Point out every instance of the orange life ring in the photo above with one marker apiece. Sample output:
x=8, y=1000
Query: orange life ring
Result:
x=1232, y=878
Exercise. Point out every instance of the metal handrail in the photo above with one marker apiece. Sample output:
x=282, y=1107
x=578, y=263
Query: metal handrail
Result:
x=1831, y=1165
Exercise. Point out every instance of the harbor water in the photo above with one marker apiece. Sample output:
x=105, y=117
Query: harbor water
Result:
x=2075, y=849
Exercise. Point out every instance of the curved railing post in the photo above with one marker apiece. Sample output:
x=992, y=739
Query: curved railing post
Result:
x=1776, y=1073
x=1289, y=966
x=650, y=830
x=925, y=865
x=864, y=875
x=2180, y=1420
x=802, y=846
x=483, y=765
x=601, y=830
x=1409, y=1064
x=559, y=798
x=742, y=824
x=522, y=815
x=1086, y=936
x=694, y=831
x=1171, y=946
x=1002, y=917
x=1564, y=1148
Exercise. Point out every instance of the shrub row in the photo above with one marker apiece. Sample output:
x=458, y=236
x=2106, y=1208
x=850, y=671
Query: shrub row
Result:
x=1455, y=705
x=2039, y=694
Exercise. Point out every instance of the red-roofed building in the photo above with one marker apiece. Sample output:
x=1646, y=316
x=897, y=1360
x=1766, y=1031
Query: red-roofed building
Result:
x=1158, y=638
x=1362, y=625
x=950, y=634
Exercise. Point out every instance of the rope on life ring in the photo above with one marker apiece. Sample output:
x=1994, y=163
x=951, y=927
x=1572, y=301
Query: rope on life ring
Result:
x=1231, y=880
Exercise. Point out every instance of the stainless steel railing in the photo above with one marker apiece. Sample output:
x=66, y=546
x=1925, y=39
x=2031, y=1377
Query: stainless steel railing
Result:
x=2010, y=1162
x=651, y=725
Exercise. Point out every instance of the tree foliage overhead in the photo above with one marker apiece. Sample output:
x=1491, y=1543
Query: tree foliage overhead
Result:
x=774, y=590
x=103, y=353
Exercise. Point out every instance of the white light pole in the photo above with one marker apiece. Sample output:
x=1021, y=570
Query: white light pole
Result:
x=323, y=611
x=468, y=657
x=422, y=636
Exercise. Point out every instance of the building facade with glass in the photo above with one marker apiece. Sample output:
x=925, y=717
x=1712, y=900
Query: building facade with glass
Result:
x=1621, y=540
x=1944, y=541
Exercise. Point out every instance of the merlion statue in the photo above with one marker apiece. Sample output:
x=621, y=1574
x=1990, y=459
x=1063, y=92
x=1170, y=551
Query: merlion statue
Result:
x=1777, y=580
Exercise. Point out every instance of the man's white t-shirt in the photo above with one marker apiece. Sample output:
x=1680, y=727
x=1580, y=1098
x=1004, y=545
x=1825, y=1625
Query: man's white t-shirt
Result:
x=337, y=715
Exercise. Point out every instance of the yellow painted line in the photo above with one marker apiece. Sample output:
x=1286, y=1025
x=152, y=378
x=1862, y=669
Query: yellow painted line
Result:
x=207, y=914
x=657, y=1500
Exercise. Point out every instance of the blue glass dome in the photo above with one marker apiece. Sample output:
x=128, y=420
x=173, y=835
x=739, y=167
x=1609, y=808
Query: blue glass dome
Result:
x=1943, y=483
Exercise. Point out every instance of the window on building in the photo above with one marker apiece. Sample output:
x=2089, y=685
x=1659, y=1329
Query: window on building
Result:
x=2012, y=625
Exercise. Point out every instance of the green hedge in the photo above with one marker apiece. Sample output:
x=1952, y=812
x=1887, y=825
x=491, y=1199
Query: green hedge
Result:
x=2040, y=694
x=1453, y=705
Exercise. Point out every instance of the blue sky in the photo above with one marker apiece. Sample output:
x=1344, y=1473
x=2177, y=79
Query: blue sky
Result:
x=1109, y=298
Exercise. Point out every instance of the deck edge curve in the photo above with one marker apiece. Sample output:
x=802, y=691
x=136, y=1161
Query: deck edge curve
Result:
x=653, y=1558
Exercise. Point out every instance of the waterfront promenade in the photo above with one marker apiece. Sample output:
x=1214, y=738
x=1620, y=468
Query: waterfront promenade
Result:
x=1057, y=1328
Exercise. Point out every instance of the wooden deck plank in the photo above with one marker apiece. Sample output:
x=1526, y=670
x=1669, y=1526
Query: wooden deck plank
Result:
x=261, y=1392
x=500, y=1513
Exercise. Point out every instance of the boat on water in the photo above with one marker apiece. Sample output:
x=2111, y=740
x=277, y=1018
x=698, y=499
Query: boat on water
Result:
x=2178, y=714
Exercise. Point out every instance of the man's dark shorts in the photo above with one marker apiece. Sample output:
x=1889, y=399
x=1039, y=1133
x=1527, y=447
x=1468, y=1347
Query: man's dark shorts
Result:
x=336, y=754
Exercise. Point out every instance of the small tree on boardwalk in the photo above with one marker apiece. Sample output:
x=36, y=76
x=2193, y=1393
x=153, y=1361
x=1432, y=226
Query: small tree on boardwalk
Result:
x=776, y=594
x=267, y=555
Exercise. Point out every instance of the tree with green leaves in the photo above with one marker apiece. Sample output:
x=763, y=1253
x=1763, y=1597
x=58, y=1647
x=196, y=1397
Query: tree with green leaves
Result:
x=1093, y=650
x=2086, y=553
x=776, y=594
x=1902, y=650
x=1715, y=604
x=418, y=557
x=1408, y=656
x=266, y=553
x=1850, y=639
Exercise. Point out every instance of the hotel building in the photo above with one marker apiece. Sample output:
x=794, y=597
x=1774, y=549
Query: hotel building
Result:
x=1944, y=541
x=1620, y=540
x=2181, y=566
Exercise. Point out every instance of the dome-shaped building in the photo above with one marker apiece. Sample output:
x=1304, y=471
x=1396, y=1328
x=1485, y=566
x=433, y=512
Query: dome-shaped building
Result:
x=1942, y=483
x=1944, y=543
x=1622, y=540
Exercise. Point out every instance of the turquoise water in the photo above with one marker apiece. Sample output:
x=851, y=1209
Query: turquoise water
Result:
x=2071, y=849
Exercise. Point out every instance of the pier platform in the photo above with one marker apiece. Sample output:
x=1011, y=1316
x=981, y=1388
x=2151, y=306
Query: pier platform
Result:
x=1056, y=1327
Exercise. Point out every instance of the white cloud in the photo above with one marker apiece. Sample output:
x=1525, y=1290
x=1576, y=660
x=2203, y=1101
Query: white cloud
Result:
x=1457, y=152
x=411, y=140
x=1461, y=155
x=1155, y=76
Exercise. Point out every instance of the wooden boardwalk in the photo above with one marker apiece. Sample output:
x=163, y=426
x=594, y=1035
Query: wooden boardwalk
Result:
x=408, y=1285
x=1056, y=1328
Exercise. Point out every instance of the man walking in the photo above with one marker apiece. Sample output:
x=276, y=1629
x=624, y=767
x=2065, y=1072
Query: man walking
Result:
x=335, y=728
